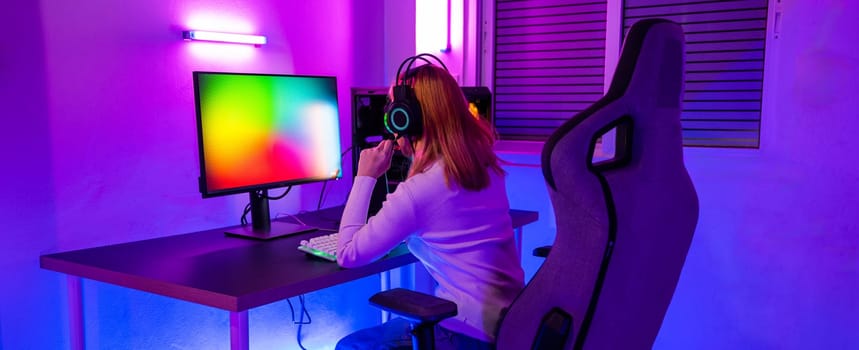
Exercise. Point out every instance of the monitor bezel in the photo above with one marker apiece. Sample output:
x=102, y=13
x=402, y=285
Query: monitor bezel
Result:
x=203, y=185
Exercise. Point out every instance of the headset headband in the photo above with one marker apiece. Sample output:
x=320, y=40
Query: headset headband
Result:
x=403, y=112
x=411, y=60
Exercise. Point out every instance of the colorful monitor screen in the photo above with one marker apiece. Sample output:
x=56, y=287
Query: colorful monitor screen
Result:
x=261, y=131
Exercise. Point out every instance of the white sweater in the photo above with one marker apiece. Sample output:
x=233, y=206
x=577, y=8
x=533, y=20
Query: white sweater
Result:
x=464, y=238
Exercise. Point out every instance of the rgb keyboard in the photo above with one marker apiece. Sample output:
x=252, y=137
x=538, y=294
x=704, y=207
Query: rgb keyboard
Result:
x=324, y=246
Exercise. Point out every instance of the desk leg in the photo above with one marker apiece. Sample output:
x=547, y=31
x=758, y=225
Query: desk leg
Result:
x=385, y=280
x=517, y=235
x=239, y=330
x=76, y=312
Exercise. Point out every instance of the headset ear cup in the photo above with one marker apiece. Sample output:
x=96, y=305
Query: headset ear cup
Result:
x=403, y=114
x=397, y=118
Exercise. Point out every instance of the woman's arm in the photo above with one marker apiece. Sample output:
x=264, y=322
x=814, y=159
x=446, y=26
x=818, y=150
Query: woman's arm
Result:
x=360, y=241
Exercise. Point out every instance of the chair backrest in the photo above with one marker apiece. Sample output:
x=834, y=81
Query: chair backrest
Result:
x=624, y=224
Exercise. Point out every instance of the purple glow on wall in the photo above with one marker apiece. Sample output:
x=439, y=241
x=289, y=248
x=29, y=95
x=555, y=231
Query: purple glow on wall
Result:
x=224, y=37
x=220, y=52
x=102, y=140
x=219, y=21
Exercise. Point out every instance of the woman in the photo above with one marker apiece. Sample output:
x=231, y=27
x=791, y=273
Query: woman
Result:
x=452, y=211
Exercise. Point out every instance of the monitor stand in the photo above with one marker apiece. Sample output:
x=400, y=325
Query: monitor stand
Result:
x=276, y=229
x=261, y=225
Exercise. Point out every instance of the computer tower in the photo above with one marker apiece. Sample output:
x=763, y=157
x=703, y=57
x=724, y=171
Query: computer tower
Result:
x=368, y=110
x=479, y=102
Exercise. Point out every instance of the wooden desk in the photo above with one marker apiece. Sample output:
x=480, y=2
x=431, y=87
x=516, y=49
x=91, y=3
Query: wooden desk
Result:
x=214, y=269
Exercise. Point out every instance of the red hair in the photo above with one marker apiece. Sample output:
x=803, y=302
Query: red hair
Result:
x=450, y=132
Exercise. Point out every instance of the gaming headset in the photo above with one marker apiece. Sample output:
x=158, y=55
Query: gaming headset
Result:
x=403, y=114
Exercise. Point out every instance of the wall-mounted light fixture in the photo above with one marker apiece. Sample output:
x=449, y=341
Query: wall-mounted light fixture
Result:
x=224, y=37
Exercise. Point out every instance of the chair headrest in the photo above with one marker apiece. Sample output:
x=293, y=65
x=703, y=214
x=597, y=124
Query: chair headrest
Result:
x=649, y=75
x=662, y=42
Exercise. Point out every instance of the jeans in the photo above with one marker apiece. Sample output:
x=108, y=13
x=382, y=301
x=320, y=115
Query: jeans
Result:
x=396, y=335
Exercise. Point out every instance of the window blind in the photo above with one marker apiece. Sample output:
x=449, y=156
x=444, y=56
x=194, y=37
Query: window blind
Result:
x=549, y=64
x=724, y=66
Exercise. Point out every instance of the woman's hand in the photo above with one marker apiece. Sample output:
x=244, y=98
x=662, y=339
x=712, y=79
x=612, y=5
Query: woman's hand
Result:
x=404, y=145
x=375, y=161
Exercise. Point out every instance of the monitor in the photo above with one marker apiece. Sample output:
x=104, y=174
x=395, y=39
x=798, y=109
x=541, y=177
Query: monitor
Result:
x=257, y=132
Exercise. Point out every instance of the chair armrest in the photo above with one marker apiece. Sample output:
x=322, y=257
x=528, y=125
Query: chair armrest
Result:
x=413, y=305
x=542, y=252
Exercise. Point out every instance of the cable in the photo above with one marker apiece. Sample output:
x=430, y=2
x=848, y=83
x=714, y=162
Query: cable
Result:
x=387, y=183
x=303, y=312
x=280, y=196
x=244, y=219
x=325, y=183
x=300, y=322
x=297, y=220
x=291, y=309
x=346, y=151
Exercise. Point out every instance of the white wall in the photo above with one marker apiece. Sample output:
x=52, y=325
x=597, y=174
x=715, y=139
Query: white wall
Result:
x=775, y=259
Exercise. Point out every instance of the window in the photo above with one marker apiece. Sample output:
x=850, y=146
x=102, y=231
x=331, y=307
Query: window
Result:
x=724, y=66
x=549, y=63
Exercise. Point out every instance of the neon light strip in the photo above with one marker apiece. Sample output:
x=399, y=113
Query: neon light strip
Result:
x=224, y=37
